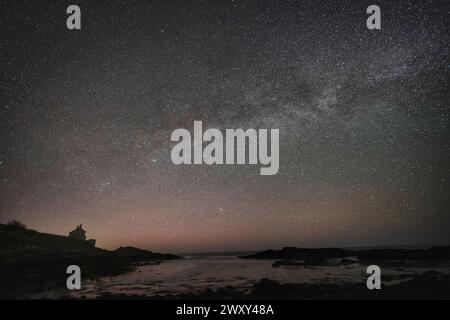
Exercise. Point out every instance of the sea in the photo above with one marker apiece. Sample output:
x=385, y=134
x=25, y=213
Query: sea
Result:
x=196, y=273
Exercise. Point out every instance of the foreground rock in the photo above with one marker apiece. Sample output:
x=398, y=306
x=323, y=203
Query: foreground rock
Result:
x=430, y=285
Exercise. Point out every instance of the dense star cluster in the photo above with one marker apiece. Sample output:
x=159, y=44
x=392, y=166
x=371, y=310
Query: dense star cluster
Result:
x=86, y=117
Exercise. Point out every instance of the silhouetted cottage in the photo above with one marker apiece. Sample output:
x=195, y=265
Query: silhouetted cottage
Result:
x=80, y=234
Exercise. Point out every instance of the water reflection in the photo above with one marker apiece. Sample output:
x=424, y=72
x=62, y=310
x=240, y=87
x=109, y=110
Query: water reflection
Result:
x=197, y=274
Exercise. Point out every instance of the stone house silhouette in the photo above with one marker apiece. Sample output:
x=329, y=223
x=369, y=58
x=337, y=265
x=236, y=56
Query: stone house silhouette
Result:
x=80, y=234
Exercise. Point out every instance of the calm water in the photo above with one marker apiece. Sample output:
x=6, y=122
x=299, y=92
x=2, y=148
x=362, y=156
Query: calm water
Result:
x=196, y=274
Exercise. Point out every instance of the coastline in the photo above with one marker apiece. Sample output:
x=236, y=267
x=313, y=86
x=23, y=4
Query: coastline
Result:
x=33, y=263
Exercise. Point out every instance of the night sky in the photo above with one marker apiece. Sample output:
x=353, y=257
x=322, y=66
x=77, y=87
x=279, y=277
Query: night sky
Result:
x=86, y=118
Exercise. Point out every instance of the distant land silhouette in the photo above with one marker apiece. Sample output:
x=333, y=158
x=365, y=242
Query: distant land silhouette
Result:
x=368, y=255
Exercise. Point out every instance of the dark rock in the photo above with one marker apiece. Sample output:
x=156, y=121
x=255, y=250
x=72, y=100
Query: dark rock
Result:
x=292, y=253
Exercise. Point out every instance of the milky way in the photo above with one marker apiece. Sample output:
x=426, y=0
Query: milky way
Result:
x=86, y=118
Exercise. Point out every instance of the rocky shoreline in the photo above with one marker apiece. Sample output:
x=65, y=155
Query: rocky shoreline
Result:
x=33, y=262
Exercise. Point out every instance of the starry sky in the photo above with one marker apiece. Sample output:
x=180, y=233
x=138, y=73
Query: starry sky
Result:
x=86, y=118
